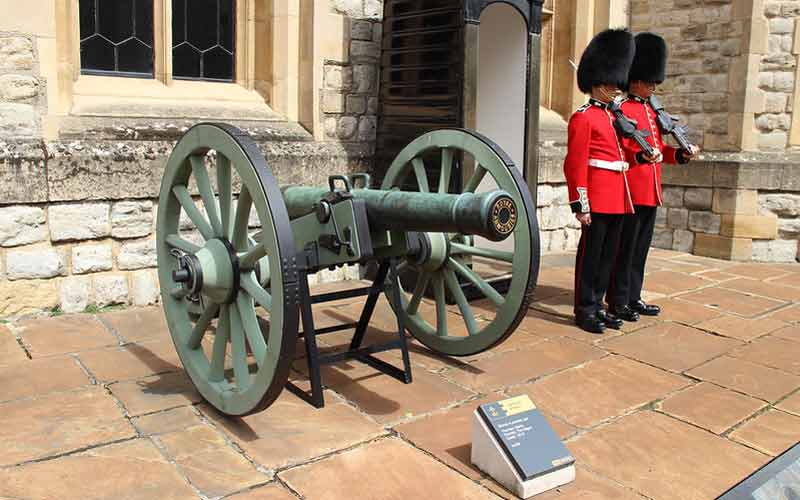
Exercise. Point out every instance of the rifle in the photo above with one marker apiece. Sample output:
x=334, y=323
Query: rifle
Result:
x=669, y=124
x=626, y=127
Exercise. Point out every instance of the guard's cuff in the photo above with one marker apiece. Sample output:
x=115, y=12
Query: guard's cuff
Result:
x=581, y=205
x=639, y=157
x=682, y=157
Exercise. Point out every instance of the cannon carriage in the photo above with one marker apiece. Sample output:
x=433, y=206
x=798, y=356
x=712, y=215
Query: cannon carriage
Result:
x=234, y=299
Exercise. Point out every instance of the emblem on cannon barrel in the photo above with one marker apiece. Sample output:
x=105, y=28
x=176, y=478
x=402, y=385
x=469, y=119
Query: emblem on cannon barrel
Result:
x=233, y=261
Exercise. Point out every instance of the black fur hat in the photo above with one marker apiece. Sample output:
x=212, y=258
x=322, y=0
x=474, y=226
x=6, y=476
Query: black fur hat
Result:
x=650, y=62
x=606, y=60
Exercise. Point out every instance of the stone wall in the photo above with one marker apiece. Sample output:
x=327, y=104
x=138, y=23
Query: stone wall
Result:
x=732, y=207
x=559, y=230
x=21, y=96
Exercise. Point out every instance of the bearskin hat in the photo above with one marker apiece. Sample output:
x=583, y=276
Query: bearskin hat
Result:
x=650, y=61
x=606, y=60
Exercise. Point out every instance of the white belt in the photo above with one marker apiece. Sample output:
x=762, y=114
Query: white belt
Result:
x=617, y=166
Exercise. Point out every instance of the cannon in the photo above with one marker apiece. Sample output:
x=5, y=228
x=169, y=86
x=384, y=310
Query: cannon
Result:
x=233, y=299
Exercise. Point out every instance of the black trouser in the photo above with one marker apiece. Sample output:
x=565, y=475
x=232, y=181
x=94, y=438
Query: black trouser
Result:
x=628, y=276
x=595, y=261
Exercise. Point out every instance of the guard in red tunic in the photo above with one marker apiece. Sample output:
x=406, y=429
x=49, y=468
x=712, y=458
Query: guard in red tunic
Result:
x=595, y=169
x=644, y=179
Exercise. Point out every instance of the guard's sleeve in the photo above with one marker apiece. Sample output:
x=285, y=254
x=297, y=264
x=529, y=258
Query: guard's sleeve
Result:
x=576, y=163
x=672, y=155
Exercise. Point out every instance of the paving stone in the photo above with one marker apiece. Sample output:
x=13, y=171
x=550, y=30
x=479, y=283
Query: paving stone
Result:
x=403, y=473
x=561, y=305
x=587, y=486
x=773, y=432
x=64, y=334
x=134, y=470
x=757, y=271
x=665, y=459
x=756, y=380
x=733, y=302
x=269, y=492
x=719, y=276
x=741, y=328
x=764, y=289
x=788, y=333
x=685, y=312
x=789, y=314
x=211, y=465
x=791, y=404
x=671, y=346
x=137, y=324
x=792, y=280
x=156, y=393
x=670, y=282
x=771, y=351
x=40, y=376
x=385, y=398
x=291, y=431
x=167, y=421
x=31, y=429
x=132, y=361
x=521, y=366
x=448, y=435
x=11, y=352
x=550, y=326
x=711, y=407
x=588, y=394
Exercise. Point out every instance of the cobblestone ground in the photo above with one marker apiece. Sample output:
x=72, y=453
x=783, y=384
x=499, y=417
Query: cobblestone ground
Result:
x=683, y=407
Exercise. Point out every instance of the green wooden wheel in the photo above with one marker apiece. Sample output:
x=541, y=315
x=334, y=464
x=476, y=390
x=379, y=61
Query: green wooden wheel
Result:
x=215, y=281
x=455, y=257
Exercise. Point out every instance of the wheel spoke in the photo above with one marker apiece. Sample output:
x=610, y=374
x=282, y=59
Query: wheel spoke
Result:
x=217, y=368
x=186, y=201
x=250, y=258
x=206, y=192
x=176, y=241
x=238, y=350
x=251, y=329
x=441, y=306
x=251, y=286
x=201, y=326
x=488, y=253
x=447, y=166
x=239, y=238
x=225, y=197
x=475, y=180
x=486, y=289
x=419, y=290
x=419, y=173
x=461, y=301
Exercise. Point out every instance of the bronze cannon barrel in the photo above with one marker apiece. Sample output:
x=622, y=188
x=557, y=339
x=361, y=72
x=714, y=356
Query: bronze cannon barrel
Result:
x=492, y=215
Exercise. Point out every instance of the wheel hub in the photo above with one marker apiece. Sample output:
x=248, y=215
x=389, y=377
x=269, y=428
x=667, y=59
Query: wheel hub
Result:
x=213, y=272
x=438, y=253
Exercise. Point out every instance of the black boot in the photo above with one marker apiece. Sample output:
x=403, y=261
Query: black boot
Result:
x=590, y=323
x=624, y=313
x=610, y=320
x=645, y=309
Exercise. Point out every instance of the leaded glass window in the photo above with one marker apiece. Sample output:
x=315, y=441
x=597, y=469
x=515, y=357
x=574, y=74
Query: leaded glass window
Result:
x=203, y=39
x=117, y=37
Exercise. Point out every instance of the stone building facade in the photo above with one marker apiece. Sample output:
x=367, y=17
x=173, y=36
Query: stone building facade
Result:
x=81, y=155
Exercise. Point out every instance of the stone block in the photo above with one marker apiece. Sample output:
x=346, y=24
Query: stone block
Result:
x=791, y=177
x=144, y=288
x=91, y=258
x=373, y=9
x=21, y=225
x=735, y=201
x=17, y=120
x=18, y=87
x=364, y=78
x=677, y=218
x=332, y=102
x=698, y=198
x=661, y=216
x=110, y=290
x=361, y=30
x=780, y=25
x=38, y=263
x=367, y=128
x=662, y=238
x=346, y=127
x=760, y=227
x=79, y=221
x=775, y=251
x=352, y=8
x=137, y=255
x=555, y=217
x=773, y=141
x=26, y=297
x=372, y=105
x=723, y=247
x=23, y=178
x=356, y=104
x=701, y=174
x=338, y=77
x=789, y=228
x=16, y=53
x=75, y=293
x=544, y=195
x=364, y=50
x=682, y=240
x=560, y=195
x=704, y=222
x=672, y=196
x=740, y=175
x=131, y=219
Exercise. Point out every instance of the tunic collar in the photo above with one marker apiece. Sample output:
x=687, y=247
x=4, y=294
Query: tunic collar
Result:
x=599, y=104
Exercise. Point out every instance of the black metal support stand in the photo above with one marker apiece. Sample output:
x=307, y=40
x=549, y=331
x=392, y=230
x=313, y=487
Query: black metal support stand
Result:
x=355, y=350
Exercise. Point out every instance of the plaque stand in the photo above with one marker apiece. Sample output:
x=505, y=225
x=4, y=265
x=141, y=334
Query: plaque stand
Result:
x=355, y=351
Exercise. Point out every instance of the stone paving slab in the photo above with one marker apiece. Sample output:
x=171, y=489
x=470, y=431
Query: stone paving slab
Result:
x=681, y=406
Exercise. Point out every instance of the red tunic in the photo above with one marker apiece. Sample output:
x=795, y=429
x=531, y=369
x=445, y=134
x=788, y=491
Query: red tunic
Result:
x=644, y=179
x=595, y=164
